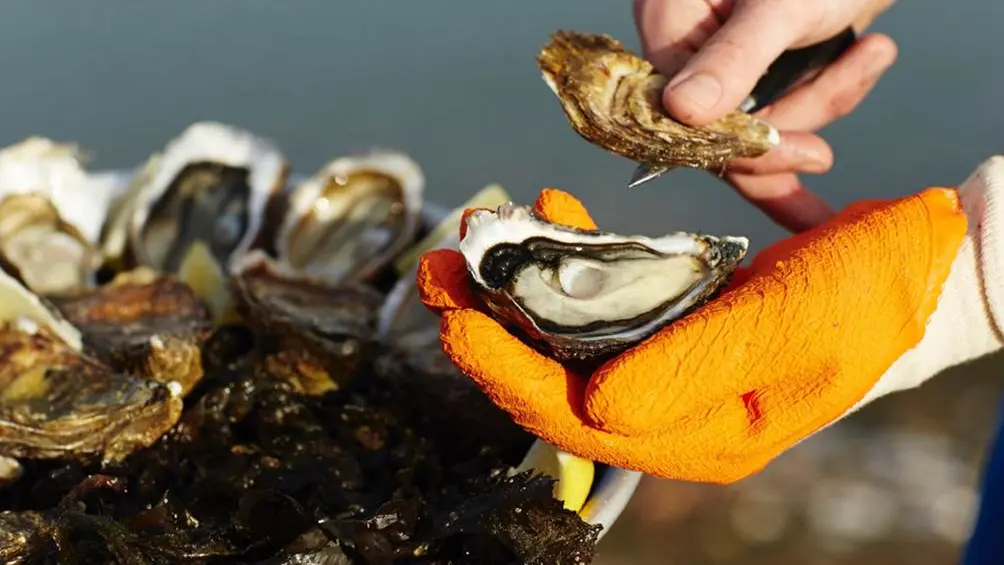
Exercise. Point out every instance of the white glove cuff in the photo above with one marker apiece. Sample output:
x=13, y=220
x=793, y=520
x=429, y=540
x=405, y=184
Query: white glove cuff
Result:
x=983, y=200
x=970, y=314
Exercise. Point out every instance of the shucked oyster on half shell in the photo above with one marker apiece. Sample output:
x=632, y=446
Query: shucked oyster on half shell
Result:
x=351, y=218
x=211, y=184
x=51, y=214
x=581, y=294
x=613, y=99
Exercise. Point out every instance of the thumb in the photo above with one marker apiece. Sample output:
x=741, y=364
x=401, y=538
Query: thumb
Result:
x=726, y=68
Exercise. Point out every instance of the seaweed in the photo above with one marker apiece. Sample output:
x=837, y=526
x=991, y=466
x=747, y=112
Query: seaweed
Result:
x=375, y=472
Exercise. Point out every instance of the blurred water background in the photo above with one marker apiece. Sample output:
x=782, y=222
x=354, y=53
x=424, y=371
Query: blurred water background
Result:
x=455, y=84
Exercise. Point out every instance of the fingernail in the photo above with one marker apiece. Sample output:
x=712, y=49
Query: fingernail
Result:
x=701, y=90
x=813, y=162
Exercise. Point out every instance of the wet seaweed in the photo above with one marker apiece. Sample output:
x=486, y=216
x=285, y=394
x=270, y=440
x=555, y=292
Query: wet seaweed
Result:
x=372, y=473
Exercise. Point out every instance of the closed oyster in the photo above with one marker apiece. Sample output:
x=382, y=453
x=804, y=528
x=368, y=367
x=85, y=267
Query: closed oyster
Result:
x=57, y=402
x=146, y=323
x=580, y=294
x=50, y=215
x=314, y=335
x=351, y=218
x=613, y=99
x=211, y=184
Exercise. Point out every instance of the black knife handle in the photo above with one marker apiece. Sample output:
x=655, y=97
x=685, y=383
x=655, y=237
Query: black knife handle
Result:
x=796, y=64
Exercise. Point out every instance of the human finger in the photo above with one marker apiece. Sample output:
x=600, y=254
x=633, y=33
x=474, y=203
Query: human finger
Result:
x=442, y=281
x=784, y=198
x=537, y=391
x=837, y=90
x=560, y=207
x=796, y=342
x=671, y=31
x=798, y=151
x=725, y=69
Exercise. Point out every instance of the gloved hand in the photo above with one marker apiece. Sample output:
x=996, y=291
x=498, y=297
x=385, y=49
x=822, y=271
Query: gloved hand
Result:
x=878, y=299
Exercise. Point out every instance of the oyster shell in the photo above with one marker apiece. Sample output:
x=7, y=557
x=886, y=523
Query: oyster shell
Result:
x=148, y=324
x=581, y=294
x=314, y=334
x=211, y=184
x=51, y=213
x=613, y=99
x=351, y=218
x=57, y=402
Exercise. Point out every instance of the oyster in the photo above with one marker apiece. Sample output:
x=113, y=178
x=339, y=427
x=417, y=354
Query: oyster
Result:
x=50, y=216
x=314, y=334
x=55, y=401
x=351, y=218
x=146, y=323
x=212, y=184
x=613, y=99
x=580, y=294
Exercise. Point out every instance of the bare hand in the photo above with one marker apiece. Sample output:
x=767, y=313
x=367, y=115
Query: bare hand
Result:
x=716, y=50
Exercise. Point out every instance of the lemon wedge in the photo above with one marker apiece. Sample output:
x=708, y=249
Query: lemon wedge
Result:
x=573, y=475
x=200, y=271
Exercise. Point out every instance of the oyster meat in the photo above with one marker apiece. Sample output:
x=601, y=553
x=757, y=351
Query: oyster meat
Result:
x=580, y=294
x=613, y=99
x=212, y=184
x=51, y=213
x=351, y=218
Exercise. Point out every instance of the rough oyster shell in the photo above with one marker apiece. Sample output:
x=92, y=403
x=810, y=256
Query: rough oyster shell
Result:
x=212, y=184
x=613, y=99
x=351, y=218
x=315, y=334
x=57, y=402
x=581, y=294
x=149, y=324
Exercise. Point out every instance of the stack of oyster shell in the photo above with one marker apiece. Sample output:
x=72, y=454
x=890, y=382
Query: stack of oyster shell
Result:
x=111, y=283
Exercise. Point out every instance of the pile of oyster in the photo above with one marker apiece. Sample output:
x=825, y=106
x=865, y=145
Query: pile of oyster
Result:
x=121, y=296
x=112, y=284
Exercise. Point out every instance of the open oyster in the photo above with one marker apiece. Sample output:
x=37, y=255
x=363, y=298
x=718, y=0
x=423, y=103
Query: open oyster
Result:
x=613, y=99
x=50, y=215
x=352, y=217
x=57, y=402
x=581, y=294
x=211, y=184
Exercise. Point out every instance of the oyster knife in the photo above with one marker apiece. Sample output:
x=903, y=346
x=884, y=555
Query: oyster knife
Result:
x=789, y=69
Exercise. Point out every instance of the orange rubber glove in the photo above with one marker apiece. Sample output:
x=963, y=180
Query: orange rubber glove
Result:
x=878, y=299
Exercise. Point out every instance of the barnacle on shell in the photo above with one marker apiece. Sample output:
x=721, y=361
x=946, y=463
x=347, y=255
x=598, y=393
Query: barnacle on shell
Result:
x=612, y=98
